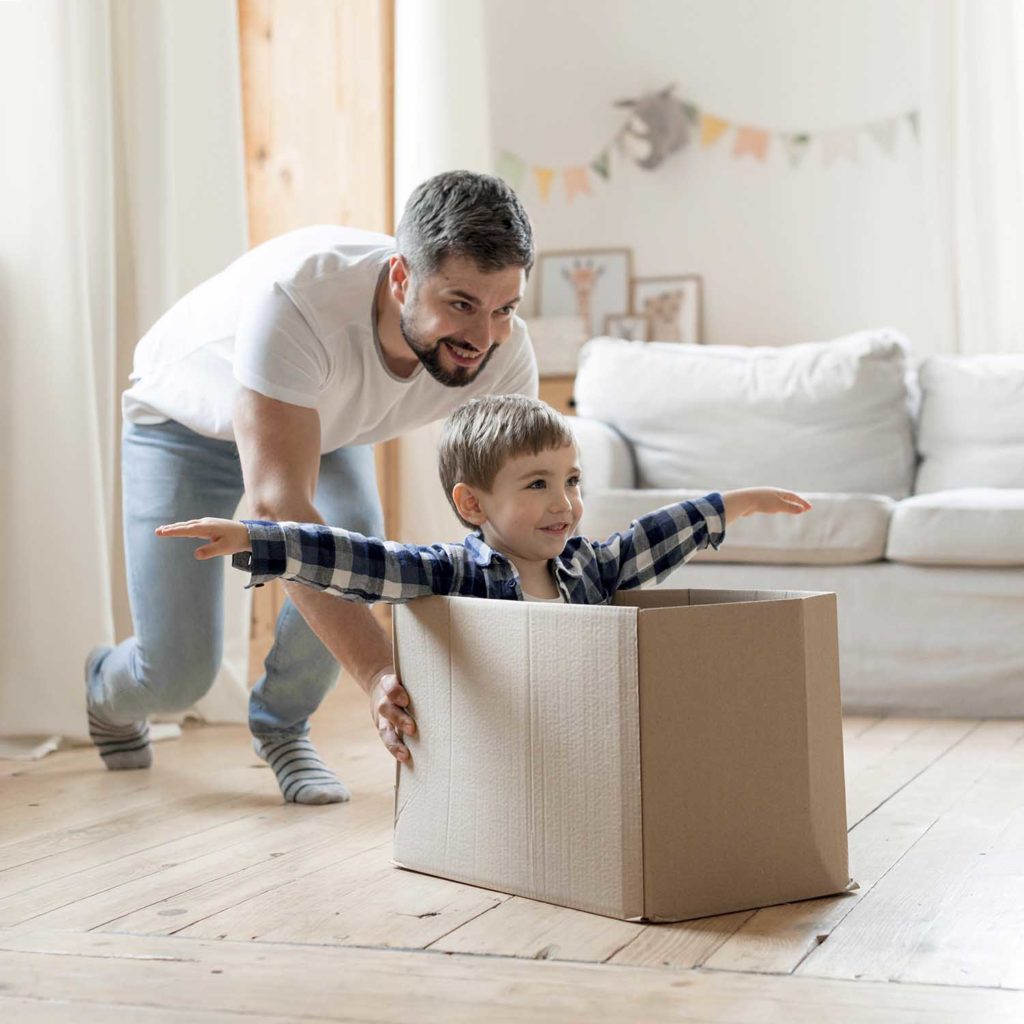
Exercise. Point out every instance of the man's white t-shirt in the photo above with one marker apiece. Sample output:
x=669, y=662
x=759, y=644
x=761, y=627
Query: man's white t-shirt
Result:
x=293, y=320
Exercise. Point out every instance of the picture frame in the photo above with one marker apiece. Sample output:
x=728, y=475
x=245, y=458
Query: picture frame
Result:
x=628, y=326
x=590, y=283
x=672, y=306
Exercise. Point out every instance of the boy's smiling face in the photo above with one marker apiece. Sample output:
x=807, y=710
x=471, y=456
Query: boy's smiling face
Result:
x=533, y=506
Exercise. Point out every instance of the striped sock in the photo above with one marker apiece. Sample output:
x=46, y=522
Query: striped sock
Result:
x=121, y=746
x=302, y=776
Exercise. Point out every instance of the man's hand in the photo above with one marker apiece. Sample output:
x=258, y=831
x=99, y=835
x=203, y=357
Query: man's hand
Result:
x=388, y=703
x=227, y=536
x=749, y=501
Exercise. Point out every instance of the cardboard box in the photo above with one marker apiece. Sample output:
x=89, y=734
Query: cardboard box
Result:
x=676, y=754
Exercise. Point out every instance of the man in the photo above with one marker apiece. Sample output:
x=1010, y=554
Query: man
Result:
x=276, y=377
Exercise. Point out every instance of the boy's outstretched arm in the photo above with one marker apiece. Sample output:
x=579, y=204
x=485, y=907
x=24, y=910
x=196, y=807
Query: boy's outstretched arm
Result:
x=749, y=501
x=661, y=540
x=342, y=562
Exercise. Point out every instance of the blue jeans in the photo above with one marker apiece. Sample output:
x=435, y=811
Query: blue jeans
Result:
x=170, y=473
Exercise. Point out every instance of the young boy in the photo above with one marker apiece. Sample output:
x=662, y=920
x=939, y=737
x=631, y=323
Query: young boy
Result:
x=510, y=471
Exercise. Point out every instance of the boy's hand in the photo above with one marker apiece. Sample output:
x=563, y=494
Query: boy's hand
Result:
x=389, y=701
x=750, y=500
x=227, y=536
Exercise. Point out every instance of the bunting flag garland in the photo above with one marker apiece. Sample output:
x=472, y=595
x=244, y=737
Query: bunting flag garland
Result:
x=752, y=141
x=835, y=146
x=838, y=144
x=711, y=128
x=884, y=133
x=545, y=178
x=601, y=164
x=796, y=147
x=576, y=182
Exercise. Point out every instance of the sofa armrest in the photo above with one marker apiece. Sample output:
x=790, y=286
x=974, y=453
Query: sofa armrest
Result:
x=606, y=457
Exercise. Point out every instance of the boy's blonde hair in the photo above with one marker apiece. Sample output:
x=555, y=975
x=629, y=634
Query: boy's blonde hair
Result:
x=479, y=437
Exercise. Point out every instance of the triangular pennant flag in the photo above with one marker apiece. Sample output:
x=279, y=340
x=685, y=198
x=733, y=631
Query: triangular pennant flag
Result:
x=837, y=144
x=545, y=176
x=752, y=141
x=511, y=168
x=601, y=164
x=796, y=146
x=884, y=133
x=576, y=182
x=915, y=123
x=711, y=128
x=692, y=113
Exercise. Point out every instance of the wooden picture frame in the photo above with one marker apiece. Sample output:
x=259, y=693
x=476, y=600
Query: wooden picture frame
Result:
x=590, y=283
x=628, y=326
x=672, y=305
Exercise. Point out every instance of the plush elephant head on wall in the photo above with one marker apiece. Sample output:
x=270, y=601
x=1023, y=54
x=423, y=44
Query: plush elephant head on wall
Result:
x=658, y=125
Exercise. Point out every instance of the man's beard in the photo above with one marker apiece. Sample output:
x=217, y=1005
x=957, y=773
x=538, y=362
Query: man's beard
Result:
x=430, y=356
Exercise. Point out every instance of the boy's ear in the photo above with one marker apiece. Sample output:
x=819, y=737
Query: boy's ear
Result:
x=468, y=504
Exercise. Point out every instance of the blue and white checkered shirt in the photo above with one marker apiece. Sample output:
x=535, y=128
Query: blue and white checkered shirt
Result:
x=362, y=568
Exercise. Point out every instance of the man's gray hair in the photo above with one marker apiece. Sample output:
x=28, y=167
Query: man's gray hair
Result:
x=463, y=214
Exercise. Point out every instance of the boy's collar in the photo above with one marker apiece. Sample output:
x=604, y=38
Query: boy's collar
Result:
x=481, y=551
x=483, y=554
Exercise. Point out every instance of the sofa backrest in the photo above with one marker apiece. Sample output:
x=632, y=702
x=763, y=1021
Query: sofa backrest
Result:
x=822, y=416
x=971, y=427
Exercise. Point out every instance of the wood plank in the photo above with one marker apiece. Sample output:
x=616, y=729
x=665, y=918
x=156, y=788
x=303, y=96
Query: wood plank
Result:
x=681, y=944
x=362, y=901
x=91, y=898
x=51, y=1011
x=349, y=984
x=877, y=777
x=370, y=840
x=899, y=929
x=539, y=931
x=777, y=939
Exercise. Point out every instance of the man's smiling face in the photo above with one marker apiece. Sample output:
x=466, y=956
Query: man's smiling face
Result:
x=454, y=320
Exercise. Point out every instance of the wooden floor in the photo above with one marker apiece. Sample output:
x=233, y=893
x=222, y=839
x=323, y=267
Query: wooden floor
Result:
x=190, y=893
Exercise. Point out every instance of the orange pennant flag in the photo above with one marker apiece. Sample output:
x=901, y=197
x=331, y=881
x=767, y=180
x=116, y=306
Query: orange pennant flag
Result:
x=711, y=128
x=545, y=176
x=576, y=182
x=752, y=141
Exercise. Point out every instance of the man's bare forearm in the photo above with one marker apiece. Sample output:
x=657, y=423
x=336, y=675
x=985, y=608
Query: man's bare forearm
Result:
x=347, y=629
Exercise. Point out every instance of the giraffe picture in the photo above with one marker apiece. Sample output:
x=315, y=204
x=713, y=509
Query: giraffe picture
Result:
x=671, y=306
x=589, y=284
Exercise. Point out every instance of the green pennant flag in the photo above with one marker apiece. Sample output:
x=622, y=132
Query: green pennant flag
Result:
x=692, y=113
x=601, y=164
x=511, y=168
x=796, y=146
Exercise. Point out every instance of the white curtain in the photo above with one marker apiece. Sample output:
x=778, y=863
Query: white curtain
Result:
x=973, y=137
x=122, y=186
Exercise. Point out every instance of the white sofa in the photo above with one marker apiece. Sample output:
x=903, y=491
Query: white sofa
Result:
x=916, y=474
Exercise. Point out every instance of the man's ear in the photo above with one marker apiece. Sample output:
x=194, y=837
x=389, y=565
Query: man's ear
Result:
x=468, y=504
x=400, y=278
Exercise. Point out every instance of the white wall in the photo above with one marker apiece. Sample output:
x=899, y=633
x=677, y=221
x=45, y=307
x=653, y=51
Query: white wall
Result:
x=786, y=254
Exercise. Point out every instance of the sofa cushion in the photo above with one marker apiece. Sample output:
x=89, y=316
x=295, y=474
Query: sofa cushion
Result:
x=971, y=430
x=970, y=526
x=822, y=416
x=841, y=529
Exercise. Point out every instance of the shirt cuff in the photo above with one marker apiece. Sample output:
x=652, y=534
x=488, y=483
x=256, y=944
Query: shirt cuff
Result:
x=716, y=522
x=268, y=558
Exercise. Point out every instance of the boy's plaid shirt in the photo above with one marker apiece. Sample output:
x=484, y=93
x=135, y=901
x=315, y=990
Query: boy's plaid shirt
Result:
x=588, y=572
